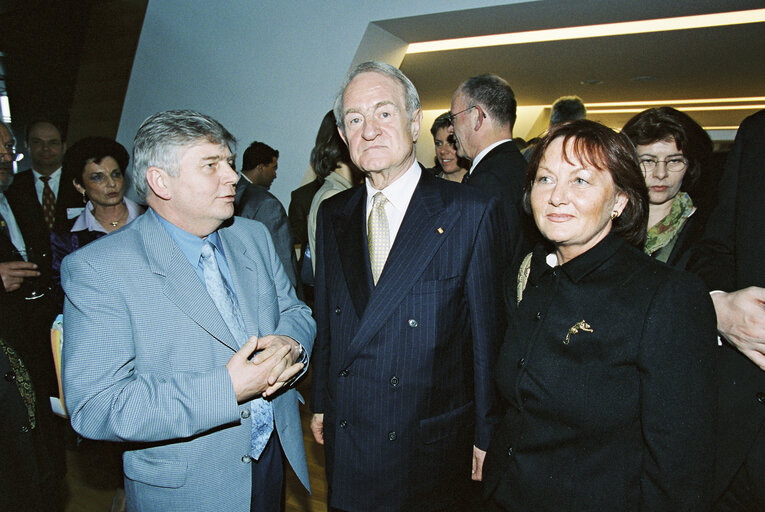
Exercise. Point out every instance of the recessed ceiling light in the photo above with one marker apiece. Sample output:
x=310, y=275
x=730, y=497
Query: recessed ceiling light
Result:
x=589, y=31
x=592, y=81
x=644, y=78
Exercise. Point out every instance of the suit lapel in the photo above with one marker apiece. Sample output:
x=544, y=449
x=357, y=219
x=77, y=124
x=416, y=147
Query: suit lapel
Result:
x=427, y=223
x=181, y=283
x=352, y=245
x=244, y=274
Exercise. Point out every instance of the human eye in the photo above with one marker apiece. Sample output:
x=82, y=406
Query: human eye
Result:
x=544, y=179
x=116, y=174
x=97, y=177
x=580, y=181
x=439, y=143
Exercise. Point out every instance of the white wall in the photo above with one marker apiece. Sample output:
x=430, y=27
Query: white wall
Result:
x=267, y=69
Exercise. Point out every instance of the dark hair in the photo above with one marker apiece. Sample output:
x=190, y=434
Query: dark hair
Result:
x=606, y=150
x=567, y=108
x=329, y=150
x=666, y=123
x=256, y=154
x=494, y=94
x=39, y=120
x=92, y=149
x=444, y=121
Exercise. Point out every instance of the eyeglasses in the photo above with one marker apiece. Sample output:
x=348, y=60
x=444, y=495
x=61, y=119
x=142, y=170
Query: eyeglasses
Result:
x=10, y=150
x=674, y=164
x=452, y=116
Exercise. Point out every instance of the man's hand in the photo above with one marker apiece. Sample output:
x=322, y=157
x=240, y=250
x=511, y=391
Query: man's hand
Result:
x=266, y=372
x=14, y=272
x=478, y=456
x=741, y=319
x=317, y=427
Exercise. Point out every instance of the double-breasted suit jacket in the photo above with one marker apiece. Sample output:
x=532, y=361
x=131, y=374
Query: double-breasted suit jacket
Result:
x=402, y=370
x=144, y=361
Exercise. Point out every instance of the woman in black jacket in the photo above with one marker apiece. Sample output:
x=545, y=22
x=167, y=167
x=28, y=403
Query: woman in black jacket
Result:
x=606, y=368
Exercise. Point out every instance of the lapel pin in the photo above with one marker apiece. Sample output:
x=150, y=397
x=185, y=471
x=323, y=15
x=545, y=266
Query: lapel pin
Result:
x=440, y=231
x=578, y=327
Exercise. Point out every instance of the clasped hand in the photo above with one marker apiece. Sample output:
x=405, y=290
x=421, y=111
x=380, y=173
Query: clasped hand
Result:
x=741, y=319
x=265, y=372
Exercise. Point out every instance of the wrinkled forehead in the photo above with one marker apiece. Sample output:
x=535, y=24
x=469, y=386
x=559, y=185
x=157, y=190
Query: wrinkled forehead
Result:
x=5, y=135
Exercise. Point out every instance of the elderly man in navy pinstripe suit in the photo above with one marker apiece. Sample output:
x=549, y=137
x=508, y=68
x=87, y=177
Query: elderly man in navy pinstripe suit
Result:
x=161, y=322
x=408, y=306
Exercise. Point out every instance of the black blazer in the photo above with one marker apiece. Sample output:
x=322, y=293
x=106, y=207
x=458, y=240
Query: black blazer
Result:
x=729, y=257
x=617, y=414
x=36, y=315
x=500, y=174
x=67, y=197
x=403, y=370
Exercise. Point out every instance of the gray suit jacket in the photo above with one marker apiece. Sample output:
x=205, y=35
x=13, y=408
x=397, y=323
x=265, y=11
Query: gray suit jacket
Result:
x=256, y=203
x=144, y=362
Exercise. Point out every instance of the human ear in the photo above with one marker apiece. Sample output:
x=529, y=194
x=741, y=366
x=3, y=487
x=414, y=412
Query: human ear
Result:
x=158, y=182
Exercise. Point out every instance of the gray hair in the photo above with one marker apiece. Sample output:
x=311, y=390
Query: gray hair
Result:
x=567, y=108
x=494, y=94
x=162, y=136
x=410, y=92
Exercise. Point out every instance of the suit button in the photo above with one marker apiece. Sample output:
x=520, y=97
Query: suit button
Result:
x=412, y=322
x=343, y=423
x=245, y=414
x=538, y=316
x=10, y=376
x=394, y=381
x=761, y=397
x=392, y=436
x=555, y=272
x=24, y=429
x=344, y=373
x=510, y=452
x=246, y=459
x=521, y=362
x=337, y=310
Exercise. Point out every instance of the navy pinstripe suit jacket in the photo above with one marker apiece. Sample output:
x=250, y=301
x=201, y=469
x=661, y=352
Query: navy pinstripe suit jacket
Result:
x=403, y=370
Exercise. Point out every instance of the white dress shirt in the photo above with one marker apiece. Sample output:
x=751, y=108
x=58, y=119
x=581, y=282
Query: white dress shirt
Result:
x=399, y=194
x=483, y=153
x=55, y=179
x=13, y=228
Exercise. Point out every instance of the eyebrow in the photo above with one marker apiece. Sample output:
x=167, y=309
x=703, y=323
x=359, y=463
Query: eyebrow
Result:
x=679, y=153
x=376, y=106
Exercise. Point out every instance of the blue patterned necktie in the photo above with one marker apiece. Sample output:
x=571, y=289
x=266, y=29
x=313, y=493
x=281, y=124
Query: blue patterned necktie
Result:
x=225, y=300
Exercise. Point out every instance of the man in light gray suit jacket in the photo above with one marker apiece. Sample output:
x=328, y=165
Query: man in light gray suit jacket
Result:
x=178, y=324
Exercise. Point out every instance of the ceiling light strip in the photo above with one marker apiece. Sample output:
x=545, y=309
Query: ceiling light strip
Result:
x=688, y=108
x=589, y=31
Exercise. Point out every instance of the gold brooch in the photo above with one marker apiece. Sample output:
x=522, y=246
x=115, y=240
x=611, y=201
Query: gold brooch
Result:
x=576, y=329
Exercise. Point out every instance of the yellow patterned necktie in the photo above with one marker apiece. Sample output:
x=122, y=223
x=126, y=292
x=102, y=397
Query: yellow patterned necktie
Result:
x=378, y=236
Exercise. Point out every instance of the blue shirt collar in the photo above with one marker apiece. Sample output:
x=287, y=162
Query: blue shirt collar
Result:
x=190, y=245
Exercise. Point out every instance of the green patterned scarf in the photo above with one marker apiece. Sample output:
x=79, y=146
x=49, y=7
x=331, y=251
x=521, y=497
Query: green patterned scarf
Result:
x=664, y=233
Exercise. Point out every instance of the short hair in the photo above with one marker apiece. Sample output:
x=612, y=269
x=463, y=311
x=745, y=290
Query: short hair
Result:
x=606, y=150
x=92, y=149
x=666, y=123
x=494, y=94
x=39, y=120
x=567, y=108
x=256, y=154
x=411, y=98
x=162, y=136
x=329, y=150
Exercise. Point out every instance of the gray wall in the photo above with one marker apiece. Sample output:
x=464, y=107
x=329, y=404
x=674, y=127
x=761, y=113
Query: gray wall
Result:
x=268, y=70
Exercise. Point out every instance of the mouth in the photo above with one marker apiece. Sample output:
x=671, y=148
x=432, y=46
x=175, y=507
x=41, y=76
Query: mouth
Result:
x=559, y=217
x=112, y=194
x=658, y=188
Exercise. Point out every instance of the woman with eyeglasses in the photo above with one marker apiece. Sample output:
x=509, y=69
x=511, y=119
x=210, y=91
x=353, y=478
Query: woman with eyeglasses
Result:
x=672, y=148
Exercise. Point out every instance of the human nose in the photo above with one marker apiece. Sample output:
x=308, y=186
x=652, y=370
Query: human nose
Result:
x=229, y=174
x=660, y=171
x=370, y=129
x=559, y=194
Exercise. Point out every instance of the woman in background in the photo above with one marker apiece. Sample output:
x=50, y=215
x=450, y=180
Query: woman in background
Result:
x=449, y=166
x=607, y=367
x=96, y=166
x=332, y=164
x=672, y=148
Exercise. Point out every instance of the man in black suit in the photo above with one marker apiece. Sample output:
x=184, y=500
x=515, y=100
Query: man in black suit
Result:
x=483, y=114
x=729, y=257
x=253, y=201
x=44, y=183
x=409, y=314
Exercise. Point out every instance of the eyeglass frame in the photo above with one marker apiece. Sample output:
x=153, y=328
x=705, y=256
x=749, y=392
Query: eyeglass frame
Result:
x=656, y=163
x=452, y=116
